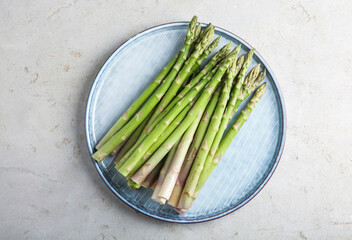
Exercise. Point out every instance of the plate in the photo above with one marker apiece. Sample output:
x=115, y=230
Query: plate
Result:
x=248, y=163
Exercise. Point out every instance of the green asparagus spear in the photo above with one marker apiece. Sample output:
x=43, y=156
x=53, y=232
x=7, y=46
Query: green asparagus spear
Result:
x=137, y=103
x=153, y=176
x=199, y=162
x=205, y=72
x=250, y=78
x=126, y=156
x=192, y=151
x=133, y=185
x=169, y=130
x=181, y=181
x=162, y=138
x=235, y=128
x=162, y=175
x=132, y=139
x=159, y=129
x=119, y=147
x=183, y=74
x=179, y=157
x=166, y=146
x=202, y=33
x=229, y=136
x=127, y=129
x=212, y=63
x=248, y=88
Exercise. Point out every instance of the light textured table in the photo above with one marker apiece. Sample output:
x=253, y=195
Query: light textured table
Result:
x=50, y=52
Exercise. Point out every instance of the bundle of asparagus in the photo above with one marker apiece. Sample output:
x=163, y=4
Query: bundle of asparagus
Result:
x=172, y=137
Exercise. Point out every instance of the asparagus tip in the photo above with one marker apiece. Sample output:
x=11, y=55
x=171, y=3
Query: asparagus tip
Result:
x=261, y=89
x=257, y=67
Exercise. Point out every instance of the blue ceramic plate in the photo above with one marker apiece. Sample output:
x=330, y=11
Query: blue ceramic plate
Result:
x=244, y=169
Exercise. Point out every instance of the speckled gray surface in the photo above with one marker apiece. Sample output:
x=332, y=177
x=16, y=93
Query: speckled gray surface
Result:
x=50, y=53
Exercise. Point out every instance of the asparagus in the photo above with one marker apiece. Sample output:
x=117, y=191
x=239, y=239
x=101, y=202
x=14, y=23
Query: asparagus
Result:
x=159, y=129
x=240, y=77
x=125, y=131
x=133, y=185
x=119, y=147
x=132, y=139
x=153, y=176
x=201, y=34
x=169, y=130
x=235, y=128
x=208, y=68
x=138, y=102
x=205, y=54
x=161, y=139
x=184, y=73
x=199, y=162
x=195, y=69
x=207, y=78
x=208, y=72
x=162, y=175
x=166, y=146
x=153, y=185
x=132, y=149
x=230, y=135
x=248, y=88
x=251, y=78
x=182, y=147
x=206, y=29
x=197, y=36
x=192, y=151
x=190, y=36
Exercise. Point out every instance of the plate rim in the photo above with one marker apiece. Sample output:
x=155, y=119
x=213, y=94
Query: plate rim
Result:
x=196, y=220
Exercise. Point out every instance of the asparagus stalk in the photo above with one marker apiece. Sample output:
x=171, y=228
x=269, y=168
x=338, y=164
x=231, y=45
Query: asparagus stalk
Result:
x=207, y=78
x=162, y=175
x=138, y=102
x=205, y=54
x=192, y=151
x=202, y=33
x=248, y=88
x=191, y=31
x=127, y=129
x=161, y=139
x=199, y=162
x=153, y=136
x=170, y=129
x=235, y=128
x=207, y=69
x=240, y=77
x=182, y=147
x=201, y=103
x=196, y=68
x=126, y=156
x=184, y=73
x=153, y=176
x=153, y=185
x=133, y=185
x=251, y=78
x=197, y=36
x=229, y=136
x=119, y=147
x=132, y=139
